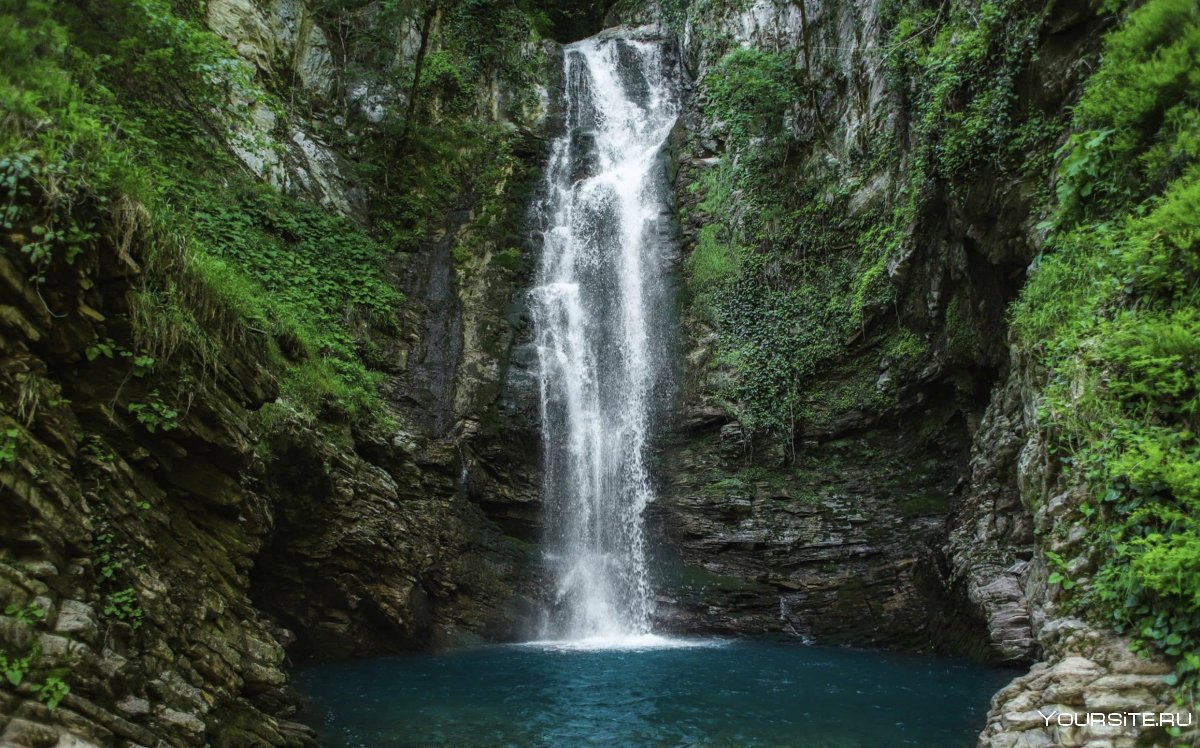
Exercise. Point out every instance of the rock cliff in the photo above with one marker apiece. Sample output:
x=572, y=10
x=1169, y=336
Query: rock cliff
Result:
x=183, y=519
x=306, y=426
x=884, y=476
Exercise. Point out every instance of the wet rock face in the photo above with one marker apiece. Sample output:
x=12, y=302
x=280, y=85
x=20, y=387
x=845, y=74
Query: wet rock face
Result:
x=382, y=555
x=127, y=542
x=826, y=548
x=831, y=532
x=919, y=523
x=169, y=566
x=988, y=545
x=158, y=559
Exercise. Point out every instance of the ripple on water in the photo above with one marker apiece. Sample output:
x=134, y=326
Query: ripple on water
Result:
x=650, y=691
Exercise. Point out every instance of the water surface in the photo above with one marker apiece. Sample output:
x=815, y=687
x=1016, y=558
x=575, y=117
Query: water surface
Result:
x=722, y=694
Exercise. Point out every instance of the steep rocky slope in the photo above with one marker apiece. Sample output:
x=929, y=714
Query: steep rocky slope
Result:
x=305, y=423
x=827, y=426
x=863, y=453
x=235, y=422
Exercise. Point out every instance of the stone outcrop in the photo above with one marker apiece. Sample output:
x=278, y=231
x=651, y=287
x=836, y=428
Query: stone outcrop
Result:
x=130, y=528
x=826, y=533
x=1068, y=698
x=175, y=537
x=165, y=563
x=152, y=514
x=827, y=548
x=1083, y=669
x=988, y=546
x=920, y=523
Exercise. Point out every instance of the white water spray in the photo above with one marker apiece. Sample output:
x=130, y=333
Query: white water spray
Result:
x=600, y=312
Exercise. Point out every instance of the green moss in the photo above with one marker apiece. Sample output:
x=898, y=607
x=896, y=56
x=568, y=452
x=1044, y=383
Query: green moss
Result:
x=964, y=342
x=750, y=90
x=713, y=260
x=928, y=503
x=732, y=485
x=1111, y=310
x=906, y=346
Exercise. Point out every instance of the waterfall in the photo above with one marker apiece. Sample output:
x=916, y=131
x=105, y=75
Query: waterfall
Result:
x=601, y=310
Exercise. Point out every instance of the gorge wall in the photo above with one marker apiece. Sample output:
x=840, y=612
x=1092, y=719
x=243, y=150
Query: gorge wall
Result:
x=268, y=377
x=258, y=299
x=864, y=452
x=846, y=323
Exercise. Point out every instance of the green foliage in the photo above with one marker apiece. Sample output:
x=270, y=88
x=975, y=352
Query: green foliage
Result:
x=674, y=13
x=29, y=614
x=120, y=603
x=714, y=259
x=781, y=340
x=317, y=279
x=44, y=240
x=785, y=268
x=105, y=348
x=935, y=55
x=750, y=91
x=143, y=365
x=771, y=269
x=115, y=107
x=1112, y=310
x=509, y=259
x=443, y=76
x=16, y=668
x=52, y=692
x=728, y=485
x=498, y=38
x=1138, y=121
x=56, y=234
x=1059, y=574
x=123, y=606
x=10, y=440
x=963, y=338
x=418, y=158
x=905, y=346
x=106, y=563
x=155, y=414
x=717, y=256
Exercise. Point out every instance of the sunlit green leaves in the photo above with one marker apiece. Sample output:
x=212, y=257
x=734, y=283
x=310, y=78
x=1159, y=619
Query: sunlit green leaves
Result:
x=1112, y=312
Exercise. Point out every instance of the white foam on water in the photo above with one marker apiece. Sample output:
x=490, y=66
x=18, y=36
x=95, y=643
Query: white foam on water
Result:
x=631, y=643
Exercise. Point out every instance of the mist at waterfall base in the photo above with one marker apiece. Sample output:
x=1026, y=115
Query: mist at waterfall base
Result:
x=599, y=674
x=731, y=694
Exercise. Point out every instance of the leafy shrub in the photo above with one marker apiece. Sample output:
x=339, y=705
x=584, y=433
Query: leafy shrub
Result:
x=28, y=614
x=123, y=606
x=751, y=91
x=154, y=414
x=52, y=692
x=133, y=94
x=16, y=668
x=1112, y=310
x=10, y=440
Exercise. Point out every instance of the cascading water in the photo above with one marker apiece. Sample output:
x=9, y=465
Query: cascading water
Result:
x=603, y=315
x=600, y=310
